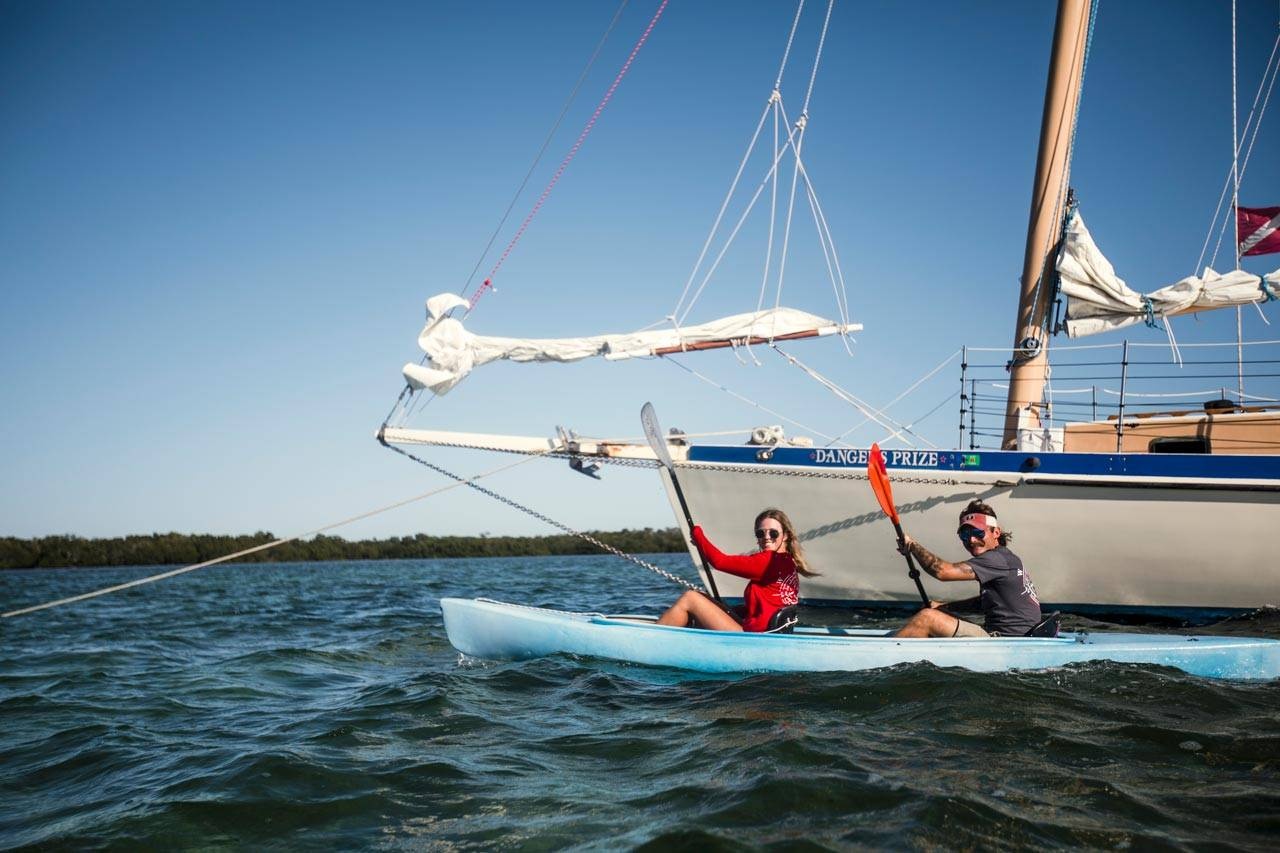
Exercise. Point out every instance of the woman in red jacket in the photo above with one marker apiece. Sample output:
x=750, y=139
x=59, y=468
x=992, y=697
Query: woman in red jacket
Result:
x=773, y=571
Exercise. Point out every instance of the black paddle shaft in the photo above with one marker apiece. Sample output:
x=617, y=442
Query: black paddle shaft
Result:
x=911, y=565
x=653, y=434
x=684, y=507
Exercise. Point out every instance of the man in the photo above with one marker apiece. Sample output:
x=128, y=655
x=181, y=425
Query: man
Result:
x=1006, y=595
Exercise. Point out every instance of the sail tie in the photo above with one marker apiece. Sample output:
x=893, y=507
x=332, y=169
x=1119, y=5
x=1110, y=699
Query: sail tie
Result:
x=1149, y=309
x=1266, y=289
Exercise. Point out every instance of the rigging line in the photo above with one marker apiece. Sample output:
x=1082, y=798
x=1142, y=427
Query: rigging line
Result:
x=733, y=234
x=774, y=97
x=751, y=402
x=861, y=405
x=773, y=218
x=786, y=52
x=834, y=272
x=547, y=142
x=582, y=137
x=817, y=58
x=923, y=417
x=1269, y=72
x=266, y=546
x=796, y=145
x=773, y=191
x=617, y=552
x=724, y=206
x=896, y=399
x=1235, y=157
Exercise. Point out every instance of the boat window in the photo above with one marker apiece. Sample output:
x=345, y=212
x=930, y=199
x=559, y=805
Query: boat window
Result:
x=1180, y=444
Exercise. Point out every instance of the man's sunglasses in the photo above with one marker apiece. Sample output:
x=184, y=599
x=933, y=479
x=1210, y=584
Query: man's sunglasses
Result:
x=766, y=533
x=966, y=533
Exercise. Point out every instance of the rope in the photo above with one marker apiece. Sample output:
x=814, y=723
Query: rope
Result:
x=817, y=57
x=896, y=429
x=582, y=137
x=751, y=402
x=257, y=548
x=913, y=387
x=546, y=142
x=1269, y=72
x=543, y=518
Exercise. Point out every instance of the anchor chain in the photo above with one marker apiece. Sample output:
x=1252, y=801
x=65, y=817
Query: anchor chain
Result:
x=604, y=546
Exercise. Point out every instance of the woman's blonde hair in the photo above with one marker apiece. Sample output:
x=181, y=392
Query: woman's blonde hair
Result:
x=794, y=549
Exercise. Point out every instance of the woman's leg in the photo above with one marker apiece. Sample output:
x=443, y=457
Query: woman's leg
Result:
x=705, y=613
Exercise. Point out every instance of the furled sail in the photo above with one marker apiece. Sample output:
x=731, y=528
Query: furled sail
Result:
x=453, y=352
x=1099, y=301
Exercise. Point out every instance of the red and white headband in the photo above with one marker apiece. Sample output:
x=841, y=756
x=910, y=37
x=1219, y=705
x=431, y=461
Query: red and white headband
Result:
x=980, y=520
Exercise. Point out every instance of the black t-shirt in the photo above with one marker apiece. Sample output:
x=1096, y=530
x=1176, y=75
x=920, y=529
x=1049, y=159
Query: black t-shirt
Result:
x=1009, y=603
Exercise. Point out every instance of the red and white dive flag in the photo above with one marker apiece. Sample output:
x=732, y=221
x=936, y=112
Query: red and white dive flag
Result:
x=1259, y=230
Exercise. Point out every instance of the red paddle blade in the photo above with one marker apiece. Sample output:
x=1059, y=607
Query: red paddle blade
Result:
x=879, y=476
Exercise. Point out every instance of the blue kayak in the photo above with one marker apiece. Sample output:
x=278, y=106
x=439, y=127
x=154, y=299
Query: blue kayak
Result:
x=493, y=630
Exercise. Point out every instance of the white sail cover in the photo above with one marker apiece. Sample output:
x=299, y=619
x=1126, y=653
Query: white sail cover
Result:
x=1099, y=301
x=453, y=352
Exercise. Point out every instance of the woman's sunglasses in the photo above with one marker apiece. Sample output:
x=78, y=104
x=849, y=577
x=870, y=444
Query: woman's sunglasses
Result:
x=966, y=533
x=766, y=533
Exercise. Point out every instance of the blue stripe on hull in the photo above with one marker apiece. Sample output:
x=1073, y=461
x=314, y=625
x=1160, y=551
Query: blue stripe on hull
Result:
x=1189, y=466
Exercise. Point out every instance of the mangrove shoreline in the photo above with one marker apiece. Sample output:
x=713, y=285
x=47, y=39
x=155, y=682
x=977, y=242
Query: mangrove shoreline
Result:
x=167, y=549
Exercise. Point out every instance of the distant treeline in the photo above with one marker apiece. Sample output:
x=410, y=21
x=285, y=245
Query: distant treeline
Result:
x=162, y=549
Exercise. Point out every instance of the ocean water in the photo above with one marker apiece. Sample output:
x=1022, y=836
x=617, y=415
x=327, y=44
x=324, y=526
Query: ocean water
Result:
x=321, y=706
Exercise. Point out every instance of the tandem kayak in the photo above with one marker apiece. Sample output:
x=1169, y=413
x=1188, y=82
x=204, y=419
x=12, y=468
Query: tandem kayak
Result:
x=493, y=630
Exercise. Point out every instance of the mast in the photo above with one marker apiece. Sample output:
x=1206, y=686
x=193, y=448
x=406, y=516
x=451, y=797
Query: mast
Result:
x=1029, y=367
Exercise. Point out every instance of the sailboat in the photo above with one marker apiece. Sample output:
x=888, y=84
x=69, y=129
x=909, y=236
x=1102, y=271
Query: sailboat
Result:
x=1182, y=507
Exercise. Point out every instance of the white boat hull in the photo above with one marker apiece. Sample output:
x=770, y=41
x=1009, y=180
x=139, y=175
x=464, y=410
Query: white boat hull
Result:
x=1111, y=531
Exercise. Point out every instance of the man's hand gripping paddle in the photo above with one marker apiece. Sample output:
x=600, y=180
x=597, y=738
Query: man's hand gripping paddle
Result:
x=879, y=476
x=653, y=434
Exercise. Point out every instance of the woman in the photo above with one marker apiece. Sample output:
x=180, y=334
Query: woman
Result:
x=772, y=571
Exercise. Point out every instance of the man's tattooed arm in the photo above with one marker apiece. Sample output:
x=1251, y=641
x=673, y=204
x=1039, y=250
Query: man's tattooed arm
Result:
x=938, y=567
x=929, y=561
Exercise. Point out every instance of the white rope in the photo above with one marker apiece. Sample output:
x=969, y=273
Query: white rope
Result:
x=825, y=240
x=1132, y=344
x=773, y=215
x=1235, y=149
x=1254, y=120
x=912, y=388
x=794, y=141
x=926, y=415
x=264, y=547
x=1128, y=393
x=817, y=57
x=791, y=37
x=796, y=167
x=734, y=233
x=715, y=226
x=866, y=408
x=753, y=403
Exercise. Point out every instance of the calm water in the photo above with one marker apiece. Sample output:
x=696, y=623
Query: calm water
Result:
x=321, y=706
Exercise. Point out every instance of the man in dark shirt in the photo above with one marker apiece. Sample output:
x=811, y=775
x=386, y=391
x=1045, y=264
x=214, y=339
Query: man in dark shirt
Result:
x=1006, y=595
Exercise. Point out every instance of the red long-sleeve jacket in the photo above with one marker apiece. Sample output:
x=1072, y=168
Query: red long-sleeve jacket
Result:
x=775, y=584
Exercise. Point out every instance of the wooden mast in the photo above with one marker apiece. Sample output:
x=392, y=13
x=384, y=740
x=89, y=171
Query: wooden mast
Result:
x=1028, y=370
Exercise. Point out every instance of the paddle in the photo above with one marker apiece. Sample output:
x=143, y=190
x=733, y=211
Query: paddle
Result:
x=653, y=433
x=879, y=476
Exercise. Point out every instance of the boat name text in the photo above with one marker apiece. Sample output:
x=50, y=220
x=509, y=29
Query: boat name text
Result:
x=903, y=458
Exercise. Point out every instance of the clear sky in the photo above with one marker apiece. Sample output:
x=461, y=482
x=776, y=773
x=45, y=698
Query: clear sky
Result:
x=219, y=222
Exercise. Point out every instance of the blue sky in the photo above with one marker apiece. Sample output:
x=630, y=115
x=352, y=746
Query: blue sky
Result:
x=219, y=221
